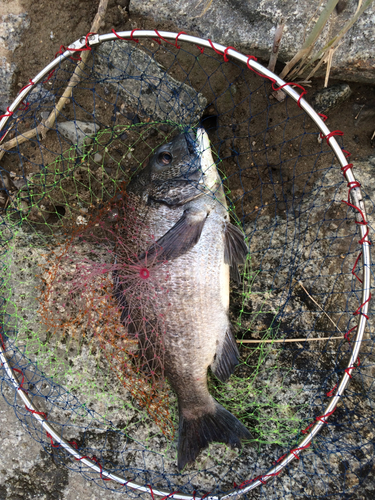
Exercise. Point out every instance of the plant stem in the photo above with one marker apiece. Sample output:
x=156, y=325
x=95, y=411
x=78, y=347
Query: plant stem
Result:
x=276, y=47
x=310, y=41
x=335, y=40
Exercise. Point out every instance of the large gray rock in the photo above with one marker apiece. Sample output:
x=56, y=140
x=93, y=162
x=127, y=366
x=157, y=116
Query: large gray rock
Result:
x=13, y=21
x=250, y=26
x=145, y=84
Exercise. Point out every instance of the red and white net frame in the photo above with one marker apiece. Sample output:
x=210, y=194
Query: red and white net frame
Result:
x=354, y=201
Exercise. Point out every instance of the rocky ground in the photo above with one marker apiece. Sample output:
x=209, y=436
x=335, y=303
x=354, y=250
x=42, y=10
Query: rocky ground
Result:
x=286, y=189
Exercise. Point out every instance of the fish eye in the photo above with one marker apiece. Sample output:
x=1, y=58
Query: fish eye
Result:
x=165, y=158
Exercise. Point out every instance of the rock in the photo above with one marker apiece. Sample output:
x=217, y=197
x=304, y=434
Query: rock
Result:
x=13, y=21
x=20, y=183
x=250, y=27
x=144, y=84
x=78, y=132
x=40, y=95
x=329, y=98
x=98, y=157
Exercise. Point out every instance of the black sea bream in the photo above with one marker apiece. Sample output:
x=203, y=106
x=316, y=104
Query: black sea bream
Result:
x=179, y=198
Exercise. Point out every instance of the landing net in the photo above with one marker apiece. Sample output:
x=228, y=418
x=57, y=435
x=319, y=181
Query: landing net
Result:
x=70, y=370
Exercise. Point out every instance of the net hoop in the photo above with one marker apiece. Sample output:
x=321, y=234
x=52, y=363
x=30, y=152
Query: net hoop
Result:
x=357, y=203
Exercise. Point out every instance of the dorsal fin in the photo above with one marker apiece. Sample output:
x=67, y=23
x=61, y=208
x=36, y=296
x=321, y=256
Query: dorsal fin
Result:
x=235, y=250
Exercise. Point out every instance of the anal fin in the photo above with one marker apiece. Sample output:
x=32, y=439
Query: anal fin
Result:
x=226, y=358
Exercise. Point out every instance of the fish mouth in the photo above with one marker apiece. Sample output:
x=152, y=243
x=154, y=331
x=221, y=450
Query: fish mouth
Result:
x=191, y=143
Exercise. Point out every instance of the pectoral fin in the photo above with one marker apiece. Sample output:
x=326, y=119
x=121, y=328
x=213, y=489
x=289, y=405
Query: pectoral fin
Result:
x=226, y=358
x=235, y=250
x=180, y=238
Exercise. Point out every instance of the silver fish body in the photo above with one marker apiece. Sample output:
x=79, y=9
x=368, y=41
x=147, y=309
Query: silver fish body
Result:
x=179, y=198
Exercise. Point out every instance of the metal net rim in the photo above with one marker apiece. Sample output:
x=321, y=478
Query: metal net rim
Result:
x=92, y=40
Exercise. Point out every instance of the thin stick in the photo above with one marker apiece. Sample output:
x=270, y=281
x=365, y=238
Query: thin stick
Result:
x=73, y=82
x=276, y=47
x=331, y=51
x=315, y=302
x=279, y=341
x=359, y=112
x=333, y=43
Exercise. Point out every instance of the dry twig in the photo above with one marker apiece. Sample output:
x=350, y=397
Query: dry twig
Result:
x=331, y=44
x=276, y=46
x=279, y=341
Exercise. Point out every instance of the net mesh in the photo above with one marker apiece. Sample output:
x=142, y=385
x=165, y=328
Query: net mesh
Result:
x=66, y=216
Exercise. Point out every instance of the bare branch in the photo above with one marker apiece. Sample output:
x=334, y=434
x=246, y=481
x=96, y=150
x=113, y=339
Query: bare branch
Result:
x=276, y=47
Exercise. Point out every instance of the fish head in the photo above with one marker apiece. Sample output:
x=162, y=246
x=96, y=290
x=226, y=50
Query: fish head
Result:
x=187, y=158
x=176, y=159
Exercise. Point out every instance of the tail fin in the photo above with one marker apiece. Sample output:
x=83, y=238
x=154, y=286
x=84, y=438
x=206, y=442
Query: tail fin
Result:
x=196, y=434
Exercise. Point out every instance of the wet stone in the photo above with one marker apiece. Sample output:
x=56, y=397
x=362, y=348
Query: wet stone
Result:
x=331, y=97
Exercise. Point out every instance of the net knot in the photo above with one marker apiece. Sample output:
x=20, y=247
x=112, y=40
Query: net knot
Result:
x=126, y=39
x=30, y=84
x=144, y=273
x=331, y=134
x=8, y=113
x=178, y=34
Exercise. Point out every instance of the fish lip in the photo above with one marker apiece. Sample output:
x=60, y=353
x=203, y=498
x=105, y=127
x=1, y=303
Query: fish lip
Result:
x=200, y=139
x=191, y=144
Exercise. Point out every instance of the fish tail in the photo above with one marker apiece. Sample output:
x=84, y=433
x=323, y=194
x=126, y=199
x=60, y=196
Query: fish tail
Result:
x=195, y=434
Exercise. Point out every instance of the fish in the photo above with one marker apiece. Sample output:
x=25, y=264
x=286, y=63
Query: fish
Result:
x=179, y=197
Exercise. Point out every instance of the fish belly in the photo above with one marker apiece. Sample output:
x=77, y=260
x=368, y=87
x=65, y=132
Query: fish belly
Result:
x=195, y=311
